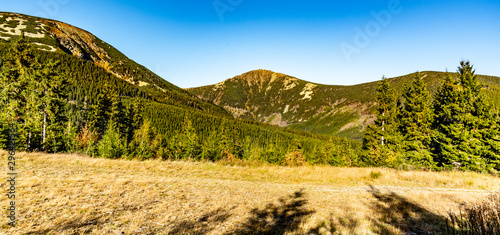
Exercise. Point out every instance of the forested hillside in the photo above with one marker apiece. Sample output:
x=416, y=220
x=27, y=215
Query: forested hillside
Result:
x=59, y=102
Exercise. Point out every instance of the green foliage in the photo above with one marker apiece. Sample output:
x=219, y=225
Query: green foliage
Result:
x=416, y=118
x=112, y=145
x=381, y=140
x=147, y=143
x=460, y=130
x=466, y=125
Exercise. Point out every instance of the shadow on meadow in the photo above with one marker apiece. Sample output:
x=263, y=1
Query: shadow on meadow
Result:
x=202, y=225
x=395, y=211
x=277, y=218
x=283, y=217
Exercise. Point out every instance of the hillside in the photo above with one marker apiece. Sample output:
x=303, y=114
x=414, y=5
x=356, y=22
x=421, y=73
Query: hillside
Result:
x=286, y=101
x=178, y=125
x=61, y=38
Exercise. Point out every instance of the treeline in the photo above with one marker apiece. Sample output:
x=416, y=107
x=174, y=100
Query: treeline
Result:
x=457, y=128
x=62, y=104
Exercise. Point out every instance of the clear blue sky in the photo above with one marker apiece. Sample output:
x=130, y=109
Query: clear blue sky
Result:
x=200, y=42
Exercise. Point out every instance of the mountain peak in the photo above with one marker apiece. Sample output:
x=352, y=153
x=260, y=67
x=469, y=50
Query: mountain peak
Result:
x=260, y=76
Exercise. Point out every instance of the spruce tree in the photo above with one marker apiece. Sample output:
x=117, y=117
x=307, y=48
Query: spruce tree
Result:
x=53, y=99
x=15, y=76
x=112, y=145
x=381, y=140
x=416, y=117
x=143, y=145
x=466, y=126
x=101, y=109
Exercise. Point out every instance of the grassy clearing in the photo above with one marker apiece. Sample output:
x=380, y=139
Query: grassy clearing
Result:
x=67, y=194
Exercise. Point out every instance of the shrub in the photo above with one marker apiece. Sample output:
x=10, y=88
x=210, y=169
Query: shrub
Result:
x=375, y=175
x=112, y=144
x=295, y=158
x=479, y=218
x=86, y=139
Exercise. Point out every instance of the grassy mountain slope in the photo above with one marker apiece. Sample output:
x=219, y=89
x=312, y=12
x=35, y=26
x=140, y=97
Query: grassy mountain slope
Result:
x=284, y=100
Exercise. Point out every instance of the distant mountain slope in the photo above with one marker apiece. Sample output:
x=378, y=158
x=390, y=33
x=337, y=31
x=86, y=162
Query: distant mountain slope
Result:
x=58, y=37
x=283, y=100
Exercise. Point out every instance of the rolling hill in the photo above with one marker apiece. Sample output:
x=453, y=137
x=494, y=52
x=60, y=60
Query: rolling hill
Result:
x=286, y=101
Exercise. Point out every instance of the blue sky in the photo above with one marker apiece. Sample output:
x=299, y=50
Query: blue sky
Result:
x=200, y=42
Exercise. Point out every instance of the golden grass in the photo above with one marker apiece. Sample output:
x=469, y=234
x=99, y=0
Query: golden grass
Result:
x=68, y=194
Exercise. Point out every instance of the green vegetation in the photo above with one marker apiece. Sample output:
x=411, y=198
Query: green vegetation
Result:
x=73, y=105
x=460, y=129
x=63, y=103
x=343, y=111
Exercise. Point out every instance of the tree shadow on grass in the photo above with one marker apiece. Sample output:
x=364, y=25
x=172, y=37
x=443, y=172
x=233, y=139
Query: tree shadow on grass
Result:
x=277, y=218
x=202, y=225
x=393, y=210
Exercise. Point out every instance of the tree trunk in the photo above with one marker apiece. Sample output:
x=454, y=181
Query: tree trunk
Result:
x=44, y=130
x=382, y=137
x=29, y=140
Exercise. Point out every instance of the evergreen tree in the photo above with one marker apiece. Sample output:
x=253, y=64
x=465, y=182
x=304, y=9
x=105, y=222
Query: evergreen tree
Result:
x=143, y=145
x=135, y=117
x=100, y=111
x=416, y=117
x=14, y=79
x=189, y=141
x=53, y=98
x=112, y=145
x=118, y=114
x=466, y=124
x=212, y=149
x=381, y=140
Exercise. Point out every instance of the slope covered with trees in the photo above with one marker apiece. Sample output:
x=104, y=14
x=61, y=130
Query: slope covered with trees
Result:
x=61, y=103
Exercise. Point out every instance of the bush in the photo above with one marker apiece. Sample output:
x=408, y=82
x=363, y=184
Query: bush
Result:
x=479, y=218
x=112, y=144
x=85, y=141
x=375, y=175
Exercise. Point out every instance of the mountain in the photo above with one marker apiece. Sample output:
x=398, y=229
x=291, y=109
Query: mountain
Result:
x=102, y=83
x=286, y=101
x=61, y=38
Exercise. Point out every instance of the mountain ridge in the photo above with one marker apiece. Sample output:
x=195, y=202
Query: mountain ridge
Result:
x=284, y=100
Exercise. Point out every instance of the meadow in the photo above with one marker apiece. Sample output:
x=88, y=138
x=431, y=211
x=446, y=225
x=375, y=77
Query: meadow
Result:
x=75, y=194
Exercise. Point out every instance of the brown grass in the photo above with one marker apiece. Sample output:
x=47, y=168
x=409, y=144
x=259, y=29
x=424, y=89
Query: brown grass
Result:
x=480, y=217
x=68, y=194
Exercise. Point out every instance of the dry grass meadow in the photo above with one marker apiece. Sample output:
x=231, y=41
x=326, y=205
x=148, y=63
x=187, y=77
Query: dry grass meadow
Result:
x=72, y=194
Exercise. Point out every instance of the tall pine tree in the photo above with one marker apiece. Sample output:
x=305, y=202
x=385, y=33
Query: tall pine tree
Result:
x=465, y=125
x=416, y=117
x=381, y=139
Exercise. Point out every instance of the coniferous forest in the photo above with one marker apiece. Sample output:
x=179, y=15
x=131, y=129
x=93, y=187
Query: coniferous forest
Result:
x=60, y=103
